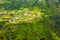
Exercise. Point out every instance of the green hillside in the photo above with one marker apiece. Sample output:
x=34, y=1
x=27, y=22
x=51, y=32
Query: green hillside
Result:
x=29, y=19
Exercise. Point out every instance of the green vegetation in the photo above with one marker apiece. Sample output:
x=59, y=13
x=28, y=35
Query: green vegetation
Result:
x=30, y=20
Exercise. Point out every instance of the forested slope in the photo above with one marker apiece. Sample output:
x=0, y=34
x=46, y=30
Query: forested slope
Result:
x=30, y=20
